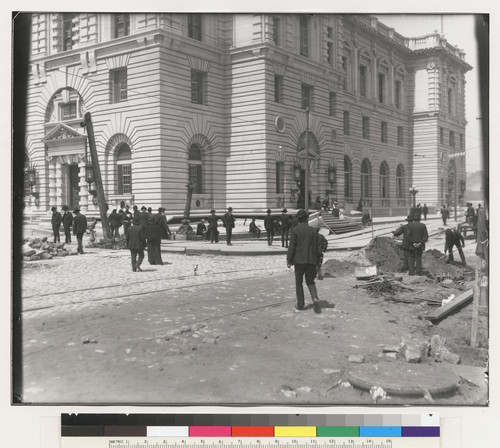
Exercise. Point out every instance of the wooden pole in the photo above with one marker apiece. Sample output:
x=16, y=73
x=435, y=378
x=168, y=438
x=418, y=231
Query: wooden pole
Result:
x=306, y=190
x=475, y=305
x=101, y=200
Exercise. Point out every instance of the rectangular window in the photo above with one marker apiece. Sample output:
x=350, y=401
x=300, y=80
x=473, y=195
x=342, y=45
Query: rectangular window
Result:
x=122, y=25
x=362, y=80
x=195, y=178
x=68, y=111
x=383, y=132
x=118, y=85
x=124, y=179
x=197, y=87
x=397, y=95
x=381, y=88
x=306, y=97
x=441, y=136
x=194, y=26
x=452, y=138
x=366, y=127
x=329, y=46
x=333, y=103
x=68, y=31
x=345, y=63
x=278, y=89
x=401, y=136
x=304, y=35
x=346, y=123
x=280, y=177
x=462, y=141
x=277, y=31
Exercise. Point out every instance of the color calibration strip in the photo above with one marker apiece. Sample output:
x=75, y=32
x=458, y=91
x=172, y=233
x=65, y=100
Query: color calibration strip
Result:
x=238, y=425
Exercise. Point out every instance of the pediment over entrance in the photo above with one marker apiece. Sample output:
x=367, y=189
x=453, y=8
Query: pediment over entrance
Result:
x=62, y=135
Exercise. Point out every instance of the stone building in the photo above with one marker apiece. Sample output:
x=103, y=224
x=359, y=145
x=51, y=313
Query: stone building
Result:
x=225, y=102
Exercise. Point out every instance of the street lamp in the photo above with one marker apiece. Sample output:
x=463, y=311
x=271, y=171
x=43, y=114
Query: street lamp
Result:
x=30, y=176
x=89, y=175
x=414, y=192
x=297, y=171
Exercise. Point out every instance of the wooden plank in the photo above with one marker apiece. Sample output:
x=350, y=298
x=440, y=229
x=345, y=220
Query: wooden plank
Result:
x=475, y=307
x=449, y=307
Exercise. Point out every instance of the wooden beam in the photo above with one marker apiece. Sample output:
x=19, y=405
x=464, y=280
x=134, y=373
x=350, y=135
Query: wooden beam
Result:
x=457, y=302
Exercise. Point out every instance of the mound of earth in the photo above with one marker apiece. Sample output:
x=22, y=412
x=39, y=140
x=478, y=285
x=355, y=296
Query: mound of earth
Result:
x=386, y=254
x=336, y=268
x=434, y=262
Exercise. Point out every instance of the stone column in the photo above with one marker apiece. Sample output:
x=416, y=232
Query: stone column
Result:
x=52, y=183
x=59, y=182
x=84, y=190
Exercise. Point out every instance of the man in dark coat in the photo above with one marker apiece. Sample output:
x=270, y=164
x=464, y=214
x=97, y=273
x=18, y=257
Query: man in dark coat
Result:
x=135, y=243
x=115, y=222
x=143, y=217
x=269, y=225
x=453, y=238
x=67, y=221
x=254, y=228
x=79, y=228
x=201, y=229
x=417, y=238
x=470, y=213
x=303, y=254
x=126, y=218
x=285, y=227
x=152, y=232
x=228, y=222
x=56, y=224
x=212, y=227
x=425, y=211
x=445, y=213
x=405, y=231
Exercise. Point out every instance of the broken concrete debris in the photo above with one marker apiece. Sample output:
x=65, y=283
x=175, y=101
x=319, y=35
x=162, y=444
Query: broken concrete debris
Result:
x=35, y=249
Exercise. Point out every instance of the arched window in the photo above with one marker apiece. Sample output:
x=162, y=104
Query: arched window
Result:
x=195, y=168
x=365, y=178
x=400, y=182
x=124, y=169
x=347, y=177
x=384, y=180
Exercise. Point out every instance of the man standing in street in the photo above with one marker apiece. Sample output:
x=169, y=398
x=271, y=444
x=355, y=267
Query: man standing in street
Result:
x=143, y=217
x=67, y=221
x=405, y=231
x=303, y=254
x=228, y=222
x=201, y=230
x=453, y=238
x=445, y=214
x=417, y=238
x=269, y=225
x=56, y=224
x=425, y=211
x=135, y=243
x=212, y=226
x=126, y=218
x=79, y=228
x=285, y=227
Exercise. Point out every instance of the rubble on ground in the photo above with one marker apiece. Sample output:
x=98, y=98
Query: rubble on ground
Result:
x=35, y=249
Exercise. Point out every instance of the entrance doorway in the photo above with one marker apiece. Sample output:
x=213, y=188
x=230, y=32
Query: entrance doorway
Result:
x=72, y=188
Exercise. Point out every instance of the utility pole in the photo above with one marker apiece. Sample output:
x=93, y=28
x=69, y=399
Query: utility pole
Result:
x=101, y=200
x=455, y=182
x=306, y=190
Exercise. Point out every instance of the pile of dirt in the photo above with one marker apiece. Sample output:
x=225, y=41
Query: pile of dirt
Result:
x=434, y=263
x=386, y=254
x=336, y=268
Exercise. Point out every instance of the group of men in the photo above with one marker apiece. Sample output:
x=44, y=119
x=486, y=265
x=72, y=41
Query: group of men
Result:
x=78, y=222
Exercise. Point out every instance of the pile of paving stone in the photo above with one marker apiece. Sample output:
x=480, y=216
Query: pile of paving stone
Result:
x=42, y=249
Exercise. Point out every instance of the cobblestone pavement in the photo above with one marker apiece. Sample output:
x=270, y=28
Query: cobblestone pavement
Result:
x=100, y=275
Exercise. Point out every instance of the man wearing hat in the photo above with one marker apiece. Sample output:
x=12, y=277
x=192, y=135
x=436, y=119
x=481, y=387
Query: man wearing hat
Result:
x=136, y=241
x=405, y=231
x=417, y=238
x=201, y=229
x=79, y=228
x=56, y=224
x=67, y=220
x=269, y=225
x=285, y=227
x=126, y=218
x=228, y=222
x=143, y=217
x=303, y=254
x=212, y=226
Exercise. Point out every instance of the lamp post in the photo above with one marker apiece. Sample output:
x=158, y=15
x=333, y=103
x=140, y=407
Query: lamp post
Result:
x=30, y=174
x=455, y=183
x=414, y=192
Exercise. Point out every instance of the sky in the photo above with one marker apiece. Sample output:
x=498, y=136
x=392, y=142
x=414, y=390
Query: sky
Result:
x=459, y=30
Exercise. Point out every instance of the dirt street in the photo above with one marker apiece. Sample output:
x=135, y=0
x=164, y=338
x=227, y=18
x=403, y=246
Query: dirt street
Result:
x=237, y=340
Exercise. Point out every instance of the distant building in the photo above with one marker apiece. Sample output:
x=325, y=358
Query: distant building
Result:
x=219, y=100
